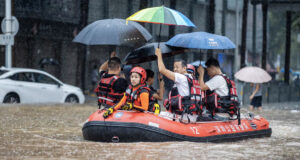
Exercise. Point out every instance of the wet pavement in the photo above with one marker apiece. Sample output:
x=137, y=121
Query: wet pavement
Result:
x=54, y=132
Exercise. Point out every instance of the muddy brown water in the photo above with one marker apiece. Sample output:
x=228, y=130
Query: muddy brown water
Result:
x=54, y=132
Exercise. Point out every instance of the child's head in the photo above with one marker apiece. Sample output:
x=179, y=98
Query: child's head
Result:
x=150, y=77
x=137, y=76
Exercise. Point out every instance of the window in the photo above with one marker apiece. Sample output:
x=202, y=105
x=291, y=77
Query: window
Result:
x=23, y=76
x=41, y=78
x=2, y=72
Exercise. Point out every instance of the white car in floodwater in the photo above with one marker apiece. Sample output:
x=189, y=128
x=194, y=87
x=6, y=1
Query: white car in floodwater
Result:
x=21, y=85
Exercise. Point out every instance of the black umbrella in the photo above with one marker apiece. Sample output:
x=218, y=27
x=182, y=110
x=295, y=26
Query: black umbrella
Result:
x=147, y=53
x=48, y=61
x=113, y=32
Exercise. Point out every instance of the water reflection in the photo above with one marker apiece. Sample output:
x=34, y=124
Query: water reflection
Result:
x=35, y=132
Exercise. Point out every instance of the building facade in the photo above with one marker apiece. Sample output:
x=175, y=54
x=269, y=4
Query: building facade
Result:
x=47, y=28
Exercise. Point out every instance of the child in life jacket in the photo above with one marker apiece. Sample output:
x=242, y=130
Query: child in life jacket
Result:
x=137, y=95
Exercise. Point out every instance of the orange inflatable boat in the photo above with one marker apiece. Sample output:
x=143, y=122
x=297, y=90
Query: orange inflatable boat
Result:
x=131, y=126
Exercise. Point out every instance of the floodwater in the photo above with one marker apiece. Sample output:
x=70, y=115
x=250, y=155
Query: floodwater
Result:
x=54, y=132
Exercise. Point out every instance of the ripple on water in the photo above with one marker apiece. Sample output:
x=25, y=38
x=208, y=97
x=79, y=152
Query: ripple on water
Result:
x=293, y=144
x=57, y=135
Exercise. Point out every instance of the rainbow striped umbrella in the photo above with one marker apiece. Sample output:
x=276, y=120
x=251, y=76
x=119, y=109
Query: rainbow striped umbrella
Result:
x=161, y=15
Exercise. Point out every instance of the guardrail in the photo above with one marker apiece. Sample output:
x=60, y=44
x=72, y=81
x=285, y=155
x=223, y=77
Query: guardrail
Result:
x=273, y=92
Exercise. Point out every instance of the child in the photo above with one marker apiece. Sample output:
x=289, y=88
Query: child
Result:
x=137, y=94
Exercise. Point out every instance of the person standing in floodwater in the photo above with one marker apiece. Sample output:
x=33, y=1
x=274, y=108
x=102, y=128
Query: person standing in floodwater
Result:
x=256, y=97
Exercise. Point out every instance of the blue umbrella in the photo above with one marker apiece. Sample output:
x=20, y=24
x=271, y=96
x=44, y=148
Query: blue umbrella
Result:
x=201, y=40
x=113, y=32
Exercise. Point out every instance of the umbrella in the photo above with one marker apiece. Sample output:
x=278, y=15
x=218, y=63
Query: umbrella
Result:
x=146, y=53
x=198, y=63
x=253, y=75
x=201, y=40
x=113, y=32
x=161, y=15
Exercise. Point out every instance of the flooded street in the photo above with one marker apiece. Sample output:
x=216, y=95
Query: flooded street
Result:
x=54, y=132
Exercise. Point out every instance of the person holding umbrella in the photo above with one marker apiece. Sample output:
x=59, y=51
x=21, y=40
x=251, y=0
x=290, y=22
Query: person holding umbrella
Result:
x=219, y=90
x=256, y=97
x=182, y=96
x=256, y=76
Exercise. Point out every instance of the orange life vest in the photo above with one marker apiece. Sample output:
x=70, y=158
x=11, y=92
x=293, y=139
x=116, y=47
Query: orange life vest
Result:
x=133, y=97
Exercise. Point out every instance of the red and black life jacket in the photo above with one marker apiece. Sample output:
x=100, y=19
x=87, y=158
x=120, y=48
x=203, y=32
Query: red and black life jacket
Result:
x=223, y=104
x=105, y=92
x=185, y=104
x=132, y=97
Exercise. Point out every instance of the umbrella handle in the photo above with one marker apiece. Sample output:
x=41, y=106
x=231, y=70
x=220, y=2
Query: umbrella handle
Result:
x=159, y=35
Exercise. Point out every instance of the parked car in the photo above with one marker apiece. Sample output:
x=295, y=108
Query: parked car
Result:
x=21, y=85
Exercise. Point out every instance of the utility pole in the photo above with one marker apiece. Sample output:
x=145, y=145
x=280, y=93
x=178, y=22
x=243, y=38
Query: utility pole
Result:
x=236, y=53
x=287, y=47
x=254, y=35
x=8, y=47
x=264, y=44
x=244, y=34
x=210, y=18
x=224, y=12
x=83, y=51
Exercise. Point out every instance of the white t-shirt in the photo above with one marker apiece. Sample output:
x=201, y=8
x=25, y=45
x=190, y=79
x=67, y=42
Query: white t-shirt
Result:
x=182, y=84
x=218, y=84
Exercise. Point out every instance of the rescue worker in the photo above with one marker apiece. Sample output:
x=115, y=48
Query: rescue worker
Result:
x=111, y=86
x=191, y=70
x=137, y=94
x=180, y=98
x=157, y=95
x=218, y=89
x=154, y=94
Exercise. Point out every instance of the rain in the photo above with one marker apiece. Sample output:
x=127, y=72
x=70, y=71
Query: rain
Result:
x=55, y=45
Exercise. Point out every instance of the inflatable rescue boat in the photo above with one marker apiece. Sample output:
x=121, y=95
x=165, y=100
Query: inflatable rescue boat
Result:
x=131, y=126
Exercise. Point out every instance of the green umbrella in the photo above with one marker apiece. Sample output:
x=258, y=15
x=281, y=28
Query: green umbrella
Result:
x=161, y=15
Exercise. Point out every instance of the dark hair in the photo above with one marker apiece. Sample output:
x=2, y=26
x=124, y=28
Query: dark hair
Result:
x=114, y=63
x=150, y=74
x=183, y=62
x=212, y=62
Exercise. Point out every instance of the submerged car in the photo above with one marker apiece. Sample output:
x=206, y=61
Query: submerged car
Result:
x=22, y=85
